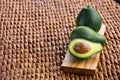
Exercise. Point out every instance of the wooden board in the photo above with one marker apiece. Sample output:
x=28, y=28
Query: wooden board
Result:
x=86, y=66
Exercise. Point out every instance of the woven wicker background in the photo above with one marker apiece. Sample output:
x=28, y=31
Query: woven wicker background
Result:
x=34, y=35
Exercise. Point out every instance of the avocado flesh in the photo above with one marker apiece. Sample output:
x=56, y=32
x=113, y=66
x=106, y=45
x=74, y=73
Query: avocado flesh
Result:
x=88, y=16
x=87, y=33
x=95, y=48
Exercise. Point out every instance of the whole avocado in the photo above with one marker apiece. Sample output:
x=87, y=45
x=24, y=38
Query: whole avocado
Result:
x=88, y=16
x=87, y=33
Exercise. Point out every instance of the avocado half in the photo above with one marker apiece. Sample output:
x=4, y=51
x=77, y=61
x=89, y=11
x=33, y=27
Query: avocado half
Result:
x=87, y=33
x=95, y=48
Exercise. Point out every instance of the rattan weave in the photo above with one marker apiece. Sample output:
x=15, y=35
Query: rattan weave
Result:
x=34, y=37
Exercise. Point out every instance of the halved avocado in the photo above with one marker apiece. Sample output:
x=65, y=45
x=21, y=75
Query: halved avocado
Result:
x=83, y=49
x=87, y=33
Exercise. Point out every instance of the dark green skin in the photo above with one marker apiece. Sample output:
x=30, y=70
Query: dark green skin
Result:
x=88, y=16
x=87, y=33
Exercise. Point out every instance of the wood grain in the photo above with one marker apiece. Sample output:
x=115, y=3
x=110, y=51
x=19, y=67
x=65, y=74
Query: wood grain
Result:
x=86, y=66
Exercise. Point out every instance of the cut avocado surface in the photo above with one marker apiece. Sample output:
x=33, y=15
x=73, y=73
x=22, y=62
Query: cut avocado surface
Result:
x=87, y=33
x=95, y=48
x=88, y=16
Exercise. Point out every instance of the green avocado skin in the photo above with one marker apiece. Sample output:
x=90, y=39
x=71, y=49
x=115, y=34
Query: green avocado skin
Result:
x=87, y=33
x=88, y=16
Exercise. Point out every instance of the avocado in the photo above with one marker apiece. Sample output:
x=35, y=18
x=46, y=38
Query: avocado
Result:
x=88, y=16
x=82, y=48
x=87, y=33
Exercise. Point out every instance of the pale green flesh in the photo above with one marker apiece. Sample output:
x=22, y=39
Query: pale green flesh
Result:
x=95, y=48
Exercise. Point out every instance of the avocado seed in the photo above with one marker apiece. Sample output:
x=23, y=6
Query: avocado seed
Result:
x=82, y=47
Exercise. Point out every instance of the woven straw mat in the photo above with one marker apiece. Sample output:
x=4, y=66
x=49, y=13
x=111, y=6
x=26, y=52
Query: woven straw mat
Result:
x=34, y=37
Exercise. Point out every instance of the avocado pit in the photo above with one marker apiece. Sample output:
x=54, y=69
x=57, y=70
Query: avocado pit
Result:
x=82, y=47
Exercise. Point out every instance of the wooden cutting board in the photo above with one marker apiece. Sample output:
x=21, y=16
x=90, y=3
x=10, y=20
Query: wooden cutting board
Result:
x=86, y=66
